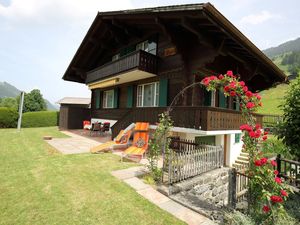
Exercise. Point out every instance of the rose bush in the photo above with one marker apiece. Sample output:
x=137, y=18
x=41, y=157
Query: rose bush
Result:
x=267, y=191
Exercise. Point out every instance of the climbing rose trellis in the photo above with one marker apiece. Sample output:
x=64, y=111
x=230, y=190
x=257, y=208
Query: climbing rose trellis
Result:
x=267, y=191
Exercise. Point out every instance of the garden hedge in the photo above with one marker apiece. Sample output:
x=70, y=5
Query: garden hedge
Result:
x=8, y=117
x=40, y=119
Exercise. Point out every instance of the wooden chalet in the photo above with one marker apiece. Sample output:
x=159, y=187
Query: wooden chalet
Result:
x=136, y=61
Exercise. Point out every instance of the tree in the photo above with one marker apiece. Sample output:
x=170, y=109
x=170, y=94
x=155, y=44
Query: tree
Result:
x=9, y=103
x=289, y=129
x=34, y=101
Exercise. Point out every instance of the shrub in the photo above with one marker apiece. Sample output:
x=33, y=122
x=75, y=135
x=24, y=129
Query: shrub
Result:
x=274, y=146
x=8, y=117
x=40, y=119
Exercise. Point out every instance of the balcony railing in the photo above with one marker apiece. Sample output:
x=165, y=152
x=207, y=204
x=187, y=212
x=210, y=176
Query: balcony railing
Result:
x=200, y=118
x=140, y=60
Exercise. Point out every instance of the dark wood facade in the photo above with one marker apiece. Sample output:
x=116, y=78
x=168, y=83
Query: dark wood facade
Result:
x=192, y=41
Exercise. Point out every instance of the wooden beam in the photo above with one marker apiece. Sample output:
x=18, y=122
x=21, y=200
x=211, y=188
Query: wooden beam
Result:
x=130, y=31
x=188, y=26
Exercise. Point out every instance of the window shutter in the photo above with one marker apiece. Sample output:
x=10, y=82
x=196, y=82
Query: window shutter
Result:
x=129, y=96
x=98, y=99
x=116, y=97
x=237, y=104
x=222, y=99
x=207, y=98
x=163, y=92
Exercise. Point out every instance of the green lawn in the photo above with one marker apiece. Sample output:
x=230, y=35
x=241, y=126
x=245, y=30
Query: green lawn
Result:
x=272, y=99
x=41, y=186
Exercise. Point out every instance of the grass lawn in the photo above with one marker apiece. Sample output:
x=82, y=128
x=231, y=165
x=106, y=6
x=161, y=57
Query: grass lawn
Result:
x=272, y=98
x=40, y=186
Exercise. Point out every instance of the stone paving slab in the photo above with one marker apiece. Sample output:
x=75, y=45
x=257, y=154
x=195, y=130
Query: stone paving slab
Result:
x=136, y=184
x=74, y=144
x=162, y=201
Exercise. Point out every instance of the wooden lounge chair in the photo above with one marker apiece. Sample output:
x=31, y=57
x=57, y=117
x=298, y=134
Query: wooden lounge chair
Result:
x=140, y=142
x=120, y=142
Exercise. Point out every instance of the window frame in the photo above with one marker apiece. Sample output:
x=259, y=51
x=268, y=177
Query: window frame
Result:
x=237, y=136
x=140, y=97
x=105, y=102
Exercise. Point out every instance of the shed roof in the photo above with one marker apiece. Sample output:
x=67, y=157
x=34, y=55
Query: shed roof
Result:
x=74, y=101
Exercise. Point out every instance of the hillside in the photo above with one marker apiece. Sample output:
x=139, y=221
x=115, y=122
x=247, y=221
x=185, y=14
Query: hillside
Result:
x=8, y=90
x=290, y=46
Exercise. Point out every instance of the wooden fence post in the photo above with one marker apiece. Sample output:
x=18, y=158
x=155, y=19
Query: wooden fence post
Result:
x=232, y=188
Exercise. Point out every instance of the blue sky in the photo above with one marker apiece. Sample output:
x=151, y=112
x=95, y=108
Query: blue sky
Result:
x=38, y=38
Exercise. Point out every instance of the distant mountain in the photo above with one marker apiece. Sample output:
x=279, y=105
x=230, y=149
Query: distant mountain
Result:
x=8, y=90
x=290, y=46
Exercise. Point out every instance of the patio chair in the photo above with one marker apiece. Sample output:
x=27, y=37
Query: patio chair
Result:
x=140, y=142
x=96, y=128
x=105, y=127
x=120, y=142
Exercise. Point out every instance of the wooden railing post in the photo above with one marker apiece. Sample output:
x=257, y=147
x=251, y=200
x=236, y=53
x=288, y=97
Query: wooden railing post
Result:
x=232, y=188
x=278, y=161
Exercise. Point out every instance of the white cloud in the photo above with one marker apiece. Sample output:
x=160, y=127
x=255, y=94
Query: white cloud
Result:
x=37, y=11
x=261, y=17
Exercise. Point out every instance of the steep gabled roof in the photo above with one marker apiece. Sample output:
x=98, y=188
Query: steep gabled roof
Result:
x=208, y=19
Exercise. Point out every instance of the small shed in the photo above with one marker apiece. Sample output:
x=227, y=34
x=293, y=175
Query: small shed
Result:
x=73, y=111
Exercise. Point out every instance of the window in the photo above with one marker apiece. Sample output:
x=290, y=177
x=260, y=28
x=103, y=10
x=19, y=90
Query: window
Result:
x=108, y=99
x=148, y=95
x=237, y=138
x=97, y=99
x=213, y=98
x=147, y=46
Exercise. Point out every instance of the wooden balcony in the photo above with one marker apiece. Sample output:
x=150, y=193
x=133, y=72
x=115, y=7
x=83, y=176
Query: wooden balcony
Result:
x=200, y=118
x=137, y=60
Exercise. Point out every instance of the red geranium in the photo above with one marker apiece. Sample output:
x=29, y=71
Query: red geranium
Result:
x=226, y=88
x=252, y=134
x=245, y=89
x=264, y=161
x=205, y=81
x=284, y=193
x=242, y=83
x=221, y=77
x=276, y=172
x=213, y=78
x=266, y=208
x=275, y=198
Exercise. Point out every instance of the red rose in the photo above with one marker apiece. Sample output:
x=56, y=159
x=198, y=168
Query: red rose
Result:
x=232, y=84
x=275, y=198
x=221, y=77
x=229, y=73
x=257, y=126
x=250, y=105
x=232, y=93
x=249, y=94
x=273, y=163
x=264, y=138
x=284, y=193
x=246, y=127
x=258, y=97
x=265, y=133
x=266, y=208
x=276, y=172
x=245, y=89
x=278, y=180
x=263, y=161
x=242, y=83
x=257, y=134
x=226, y=88
x=252, y=134
x=257, y=163
x=205, y=81
x=213, y=78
